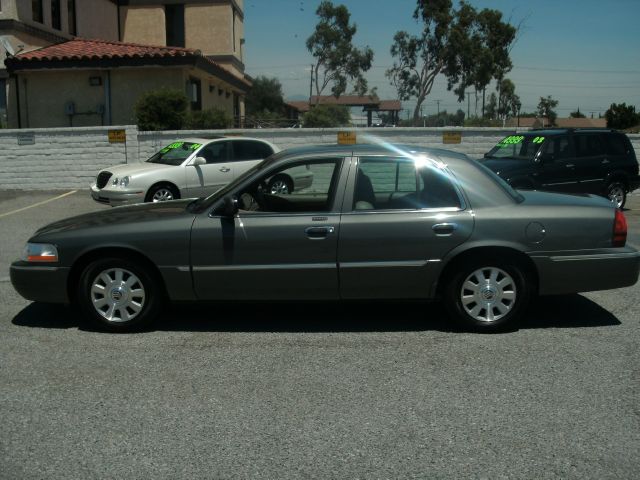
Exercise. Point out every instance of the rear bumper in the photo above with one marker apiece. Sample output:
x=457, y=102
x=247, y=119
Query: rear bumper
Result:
x=39, y=283
x=573, y=273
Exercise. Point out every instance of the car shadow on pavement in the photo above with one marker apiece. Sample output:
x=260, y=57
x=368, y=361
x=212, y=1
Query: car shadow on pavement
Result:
x=566, y=311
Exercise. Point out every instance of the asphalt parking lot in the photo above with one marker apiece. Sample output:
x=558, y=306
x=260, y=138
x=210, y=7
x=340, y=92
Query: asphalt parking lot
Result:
x=276, y=391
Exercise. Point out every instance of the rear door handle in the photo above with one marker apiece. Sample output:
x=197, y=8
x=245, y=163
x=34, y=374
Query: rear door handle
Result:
x=225, y=169
x=318, y=233
x=444, y=229
x=570, y=165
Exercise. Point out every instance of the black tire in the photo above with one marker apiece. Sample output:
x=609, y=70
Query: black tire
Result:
x=280, y=185
x=162, y=192
x=495, y=297
x=132, y=296
x=616, y=191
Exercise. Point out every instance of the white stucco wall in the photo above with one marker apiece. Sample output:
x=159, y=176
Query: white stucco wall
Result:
x=71, y=157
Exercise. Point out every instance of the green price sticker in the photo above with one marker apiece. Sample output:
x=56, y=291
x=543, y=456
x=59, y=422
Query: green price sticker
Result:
x=511, y=140
x=195, y=146
x=538, y=140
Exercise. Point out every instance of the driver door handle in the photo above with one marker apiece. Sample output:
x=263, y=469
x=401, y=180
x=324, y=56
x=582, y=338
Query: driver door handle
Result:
x=444, y=229
x=225, y=169
x=318, y=233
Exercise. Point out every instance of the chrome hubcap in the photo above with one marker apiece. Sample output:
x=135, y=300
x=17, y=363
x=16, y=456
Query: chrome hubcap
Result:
x=616, y=195
x=162, y=195
x=279, y=187
x=117, y=295
x=488, y=294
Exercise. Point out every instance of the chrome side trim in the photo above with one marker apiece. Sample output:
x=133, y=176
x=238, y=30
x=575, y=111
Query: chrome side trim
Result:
x=398, y=264
x=287, y=266
x=605, y=256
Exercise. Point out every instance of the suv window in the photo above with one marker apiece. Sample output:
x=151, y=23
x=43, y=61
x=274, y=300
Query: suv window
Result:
x=616, y=144
x=250, y=150
x=558, y=146
x=388, y=184
x=589, y=145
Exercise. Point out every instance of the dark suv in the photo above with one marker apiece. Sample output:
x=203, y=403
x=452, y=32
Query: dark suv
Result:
x=599, y=161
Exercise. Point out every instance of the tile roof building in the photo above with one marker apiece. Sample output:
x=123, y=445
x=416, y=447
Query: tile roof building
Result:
x=88, y=66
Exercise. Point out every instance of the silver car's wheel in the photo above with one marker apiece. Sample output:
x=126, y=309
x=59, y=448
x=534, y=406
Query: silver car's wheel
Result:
x=162, y=193
x=117, y=295
x=488, y=294
x=280, y=185
x=616, y=193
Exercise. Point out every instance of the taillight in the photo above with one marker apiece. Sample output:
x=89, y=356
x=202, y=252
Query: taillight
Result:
x=619, y=229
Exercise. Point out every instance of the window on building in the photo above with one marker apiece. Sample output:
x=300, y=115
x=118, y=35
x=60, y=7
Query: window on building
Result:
x=37, y=13
x=71, y=15
x=194, y=92
x=174, y=24
x=55, y=14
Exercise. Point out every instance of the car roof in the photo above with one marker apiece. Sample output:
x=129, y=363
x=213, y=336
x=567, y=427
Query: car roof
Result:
x=558, y=131
x=218, y=137
x=369, y=149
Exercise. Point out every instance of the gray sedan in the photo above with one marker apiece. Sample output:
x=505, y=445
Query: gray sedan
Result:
x=377, y=222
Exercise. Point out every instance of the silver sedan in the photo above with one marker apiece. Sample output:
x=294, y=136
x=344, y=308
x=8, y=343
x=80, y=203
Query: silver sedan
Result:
x=378, y=222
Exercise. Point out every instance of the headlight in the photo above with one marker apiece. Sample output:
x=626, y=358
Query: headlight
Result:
x=120, y=182
x=39, y=252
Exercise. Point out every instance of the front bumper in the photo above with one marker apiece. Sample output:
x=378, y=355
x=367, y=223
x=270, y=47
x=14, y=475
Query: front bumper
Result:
x=115, y=198
x=588, y=271
x=40, y=283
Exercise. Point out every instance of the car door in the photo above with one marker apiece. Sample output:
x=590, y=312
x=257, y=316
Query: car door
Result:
x=399, y=220
x=555, y=169
x=246, y=153
x=591, y=161
x=279, y=247
x=205, y=179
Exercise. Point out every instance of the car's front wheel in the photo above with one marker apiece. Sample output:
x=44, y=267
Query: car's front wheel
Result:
x=118, y=295
x=162, y=193
x=487, y=295
x=617, y=193
x=280, y=185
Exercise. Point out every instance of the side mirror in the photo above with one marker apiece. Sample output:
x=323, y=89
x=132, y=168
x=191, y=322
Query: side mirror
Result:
x=230, y=207
x=199, y=161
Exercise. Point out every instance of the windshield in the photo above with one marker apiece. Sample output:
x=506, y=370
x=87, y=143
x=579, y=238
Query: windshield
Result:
x=175, y=154
x=517, y=147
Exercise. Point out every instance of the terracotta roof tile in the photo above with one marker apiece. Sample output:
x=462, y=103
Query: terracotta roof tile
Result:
x=84, y=49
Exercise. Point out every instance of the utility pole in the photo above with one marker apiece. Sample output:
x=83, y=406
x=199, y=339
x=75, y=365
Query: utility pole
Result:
x=438, y=102
x=468, y=100
x=311, y=85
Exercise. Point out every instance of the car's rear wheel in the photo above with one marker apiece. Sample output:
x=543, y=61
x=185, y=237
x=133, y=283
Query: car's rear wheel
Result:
x=280, y=185
x=162, y=193
x=487, y=295
x=617, y=193
x=118, y=295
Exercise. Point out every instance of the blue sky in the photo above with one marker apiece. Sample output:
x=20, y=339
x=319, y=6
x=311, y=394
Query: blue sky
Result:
x=584, y=53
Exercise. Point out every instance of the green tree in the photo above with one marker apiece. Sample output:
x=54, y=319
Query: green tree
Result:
x=508, y=102
x=265, y=96
x=337, y=61
x=163, y=109
x=467, y=46
x=545, y=109
x=621, y=116
x=577, y=114
x=327, y=116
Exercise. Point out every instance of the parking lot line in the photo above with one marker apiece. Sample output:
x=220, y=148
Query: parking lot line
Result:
x=37, y=204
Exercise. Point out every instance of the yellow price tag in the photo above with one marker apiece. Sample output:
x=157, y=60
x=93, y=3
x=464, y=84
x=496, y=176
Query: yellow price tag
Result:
x=346, y=138
x=117, y=136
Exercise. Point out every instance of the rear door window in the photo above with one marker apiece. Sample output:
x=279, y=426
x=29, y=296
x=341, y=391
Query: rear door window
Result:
x=589, y=145
x=250, y=150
